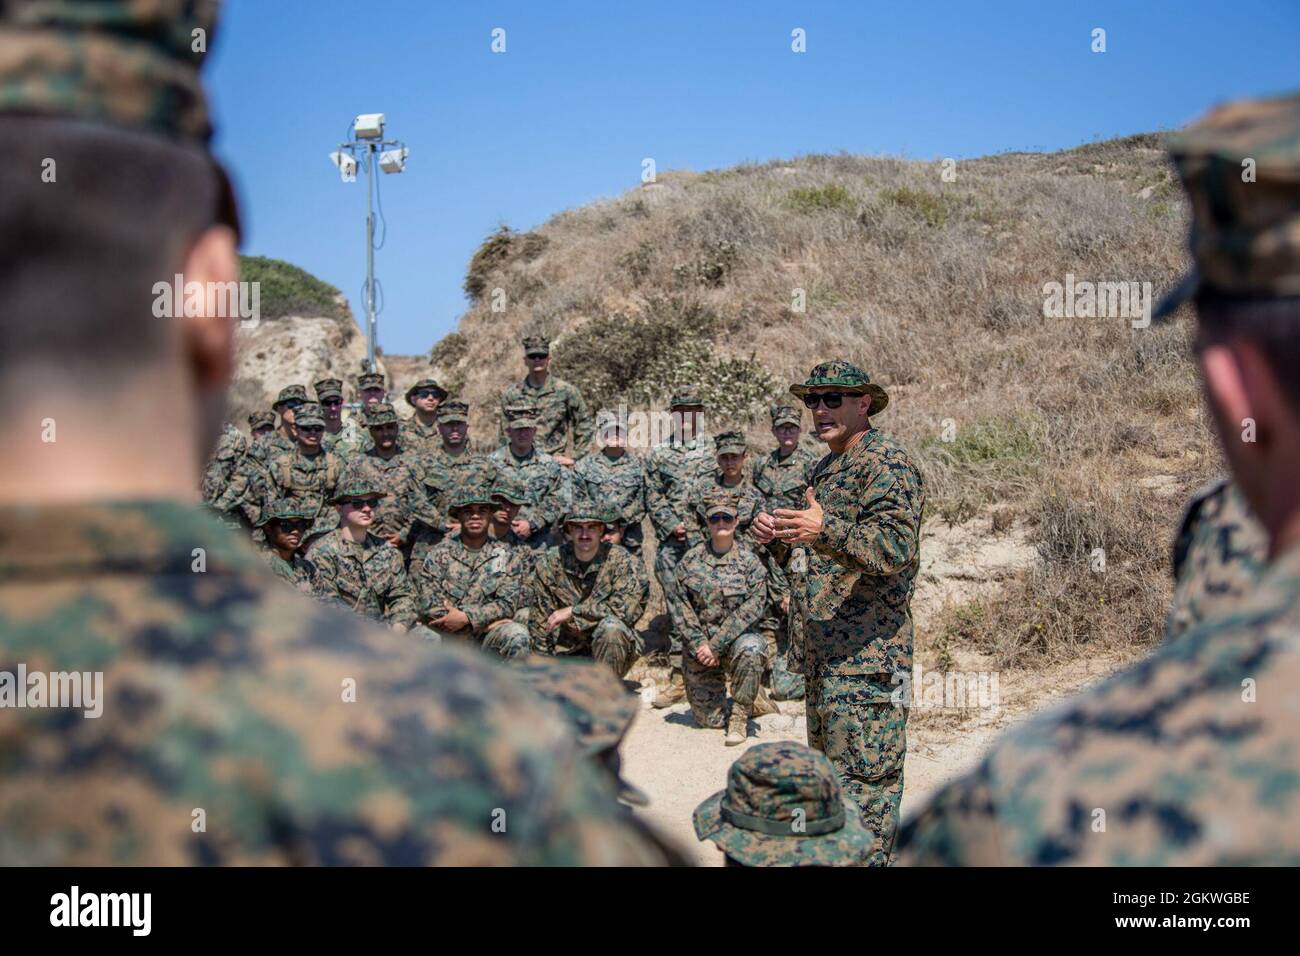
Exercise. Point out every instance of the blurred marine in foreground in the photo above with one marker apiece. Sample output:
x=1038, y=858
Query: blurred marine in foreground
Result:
x=1192, y=756
x=180, y=705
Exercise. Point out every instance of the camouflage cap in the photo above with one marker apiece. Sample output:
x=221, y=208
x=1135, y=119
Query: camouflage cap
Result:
x=309, y=414
x=521, y=416
x=596, y=704
x=510, y=488
x=370, y=380
x=537, y=345
x=1245, y=232
x=381, y=413
x=471, y=493
x=358, y=482
x=783, y=807
x=453, y=411
x=785, y=415
x=584, y=508
x=425, y=383
x=285, y=509
x=261, y=420
x=720, y=502
x=290, y=393
x=328, y=388
x=729, y=443
x=846, y=377
x=688, y=396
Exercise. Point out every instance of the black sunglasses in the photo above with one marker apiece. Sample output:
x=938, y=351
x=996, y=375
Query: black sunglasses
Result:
x=360, y=502
x=428, y=393
x=331, y=402
x=293, y=404
x=311, y=429
x=829, y=399
x=287, y=524
x=714, y=519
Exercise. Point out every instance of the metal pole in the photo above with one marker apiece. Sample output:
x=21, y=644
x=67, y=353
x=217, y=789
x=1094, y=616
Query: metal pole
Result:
x=370, y=259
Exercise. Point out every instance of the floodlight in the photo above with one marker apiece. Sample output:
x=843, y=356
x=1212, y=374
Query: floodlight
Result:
x=369, y=126
x=347, y=166
x=393, y=160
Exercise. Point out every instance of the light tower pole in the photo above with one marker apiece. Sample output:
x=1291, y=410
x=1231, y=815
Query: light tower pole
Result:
x=367, y=146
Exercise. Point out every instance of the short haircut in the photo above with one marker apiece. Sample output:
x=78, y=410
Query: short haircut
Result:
x=80, y=255
x=1272, y=325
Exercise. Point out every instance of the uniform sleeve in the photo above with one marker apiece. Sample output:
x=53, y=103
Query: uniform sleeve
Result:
x=685, y=621
x=504, y=602
x=553, y=501
x=618, y=592
x=663, y=514
x=880, y=533
x=580, y=416
x=747, y=615
x=542, y=602
x=399, y=601
x=322, y=585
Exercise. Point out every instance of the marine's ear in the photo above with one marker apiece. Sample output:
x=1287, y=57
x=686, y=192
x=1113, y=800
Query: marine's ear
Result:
x=208, y=341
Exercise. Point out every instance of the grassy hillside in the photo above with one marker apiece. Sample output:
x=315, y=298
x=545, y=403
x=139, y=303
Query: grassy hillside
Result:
x=1087, y=431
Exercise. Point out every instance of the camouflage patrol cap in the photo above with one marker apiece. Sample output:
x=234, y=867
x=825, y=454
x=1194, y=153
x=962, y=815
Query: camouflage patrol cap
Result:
x=124, y=63
x=425, y=383
x=453, y=411
x=261, y=420
x=688, y=396
x=290, y=393
x=595, y=703
x=585, y=508
x=1245, y=233
x=309, y=414
x=729, y=443
x=370, y=380
x=521, y=416
x=720, y=502
x=381, y=413
x=358, y=482
x=285, y=509
x=785, y=415
x=471, y=493
x=783, y=806
x=846, y=377
x=510, y=488
x=536, y=345
x=328, y=388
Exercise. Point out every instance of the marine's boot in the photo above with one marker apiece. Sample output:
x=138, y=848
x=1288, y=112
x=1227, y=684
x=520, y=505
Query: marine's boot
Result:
x=673, y=693
x=737, y=726
x=764, y=704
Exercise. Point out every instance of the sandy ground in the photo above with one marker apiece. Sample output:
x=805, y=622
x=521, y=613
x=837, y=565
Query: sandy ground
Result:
x=678, y=764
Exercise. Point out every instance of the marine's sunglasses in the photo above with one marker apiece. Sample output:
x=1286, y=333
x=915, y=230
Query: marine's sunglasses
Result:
x=360, y=502
x=721, y=516
x=427, y=393
x=331, y=402
x=293, y=404
x=292, y=524
x=311, y=429
x=829, y=399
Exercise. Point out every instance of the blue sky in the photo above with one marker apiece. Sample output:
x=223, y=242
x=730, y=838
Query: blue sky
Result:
x=586, y=90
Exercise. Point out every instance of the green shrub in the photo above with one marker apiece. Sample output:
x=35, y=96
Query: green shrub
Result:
x=931, y=208
x=809, y=199
x=286, y=289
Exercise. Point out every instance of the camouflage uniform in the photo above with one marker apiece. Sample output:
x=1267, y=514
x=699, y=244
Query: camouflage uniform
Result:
x=1191, y=756
x=299, y=571
x=723, y=597
x=1219, y=552
x=225, y=694
x=560, y=407
x=221, y=466
x=416, y=435
x=607, y=597
x=620, y=485
x=401, y=475
x=250, y=486
x=310, y=480
x=484, y=583
x=858, y=633
x=342, y=443
x=671, y=469
x=547, y=482
x=782, y=482
x=749, y=504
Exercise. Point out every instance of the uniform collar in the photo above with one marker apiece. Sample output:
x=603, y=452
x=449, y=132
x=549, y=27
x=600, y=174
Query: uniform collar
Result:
x=138, y=537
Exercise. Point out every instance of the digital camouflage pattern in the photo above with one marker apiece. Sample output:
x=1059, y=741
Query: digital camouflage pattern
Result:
x=309, y=480
x=844, y=376
x=401, y=476
x=671, y=469
x=240, y=687
x=484, y=583
x=1219, y=553
x=220, y=469
x=723, y=598
x=783, y=806
x=560, y=410
x=369, y=578
x=607, y=596
x=298, y=570
x=858, y=627
x=1188, y=757
x=748, y=501
x=619, y=483
x=548, y=486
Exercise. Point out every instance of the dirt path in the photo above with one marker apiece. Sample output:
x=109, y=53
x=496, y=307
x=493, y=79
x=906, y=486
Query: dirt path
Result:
x=678, y=764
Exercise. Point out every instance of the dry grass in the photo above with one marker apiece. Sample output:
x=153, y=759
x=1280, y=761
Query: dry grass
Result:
x=936, y=289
